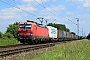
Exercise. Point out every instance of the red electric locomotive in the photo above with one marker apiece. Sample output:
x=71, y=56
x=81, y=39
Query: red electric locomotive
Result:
x=31, y=32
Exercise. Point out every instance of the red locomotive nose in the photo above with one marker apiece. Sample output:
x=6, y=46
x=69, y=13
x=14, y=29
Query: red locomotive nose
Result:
x=24, y=33
x=24, y=29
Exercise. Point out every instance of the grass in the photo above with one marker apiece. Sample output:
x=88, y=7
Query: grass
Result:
x=76, y=50
x=7, y=41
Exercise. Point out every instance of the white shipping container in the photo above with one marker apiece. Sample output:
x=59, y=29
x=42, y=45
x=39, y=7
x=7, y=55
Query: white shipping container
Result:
x=52, y=32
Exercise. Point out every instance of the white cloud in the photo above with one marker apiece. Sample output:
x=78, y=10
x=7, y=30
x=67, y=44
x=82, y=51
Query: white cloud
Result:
x=52, y=12
x=84, y=16
x=29, y=1
x=54, y=9
x=83, y=22
x=8, y=14
x=11, y=13
x=53, y=0
x=69, y=13
x=85, y=3
x=27, y=7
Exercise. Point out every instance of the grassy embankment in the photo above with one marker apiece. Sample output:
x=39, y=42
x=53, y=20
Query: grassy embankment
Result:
x=76, y=50
x=5, y=42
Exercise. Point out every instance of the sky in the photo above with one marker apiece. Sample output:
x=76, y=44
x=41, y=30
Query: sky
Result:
x=55, y=11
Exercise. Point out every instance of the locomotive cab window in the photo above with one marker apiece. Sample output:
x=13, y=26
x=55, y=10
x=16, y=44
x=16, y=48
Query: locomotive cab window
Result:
x=25, y=26
x=22, y=26
x=28, y=26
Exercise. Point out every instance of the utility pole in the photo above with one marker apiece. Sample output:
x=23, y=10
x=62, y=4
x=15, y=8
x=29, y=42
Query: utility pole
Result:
x=78, y=27
x=84, y=35
x=82, y=32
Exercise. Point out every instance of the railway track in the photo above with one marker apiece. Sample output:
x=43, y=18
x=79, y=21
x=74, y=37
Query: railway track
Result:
x=21, y=48
x=6, y=51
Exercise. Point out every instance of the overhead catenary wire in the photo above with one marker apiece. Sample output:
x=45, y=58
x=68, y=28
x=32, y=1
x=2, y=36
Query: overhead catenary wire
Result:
x=38, y=3
x=56, y=5
x=47, y=9
x=42, y=6
x=29, y=12
x=17, y=8
x=63, y=11
x=51, y=8
x=59, y=14
x=16, y=2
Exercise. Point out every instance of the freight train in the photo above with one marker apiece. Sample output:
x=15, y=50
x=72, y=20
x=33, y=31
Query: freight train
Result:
x=31, y=32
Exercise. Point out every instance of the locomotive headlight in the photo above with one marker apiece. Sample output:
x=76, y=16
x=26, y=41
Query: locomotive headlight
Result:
x=20, y=34
x=31, y=34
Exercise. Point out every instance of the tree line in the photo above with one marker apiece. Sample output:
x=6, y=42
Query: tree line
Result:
x=60, y=27
x=88, y=37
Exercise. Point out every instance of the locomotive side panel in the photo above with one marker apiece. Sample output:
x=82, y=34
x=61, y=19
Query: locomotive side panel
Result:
x=42, y=32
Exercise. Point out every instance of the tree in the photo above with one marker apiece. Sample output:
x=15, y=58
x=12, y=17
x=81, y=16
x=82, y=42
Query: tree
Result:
x=73, y=33
x=88, y=37
x=1, y=34
x=59, y=26
x=12, y=29
x=8, y=35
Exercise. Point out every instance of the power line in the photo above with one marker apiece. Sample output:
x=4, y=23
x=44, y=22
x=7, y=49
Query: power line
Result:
x=17, y=8
x=15, y=2
x=63, y=11
x=51, y=8
x=59, y=14
x=29, y=12
x=43, y=7
x=20, y=4
x=47, y=9
x=72, y=22
x=39, y=4
x=55, y=4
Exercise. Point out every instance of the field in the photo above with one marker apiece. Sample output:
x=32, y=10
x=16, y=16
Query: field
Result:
x=76, y=50
x=5, y=42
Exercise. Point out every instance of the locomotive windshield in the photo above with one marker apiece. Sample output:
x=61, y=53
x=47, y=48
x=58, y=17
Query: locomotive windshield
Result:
x=25, y=26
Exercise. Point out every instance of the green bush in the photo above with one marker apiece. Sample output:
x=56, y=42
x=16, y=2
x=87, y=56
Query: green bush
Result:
x=8, y=35
x=12, y=29
x=88, y=37
x=1, y=34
